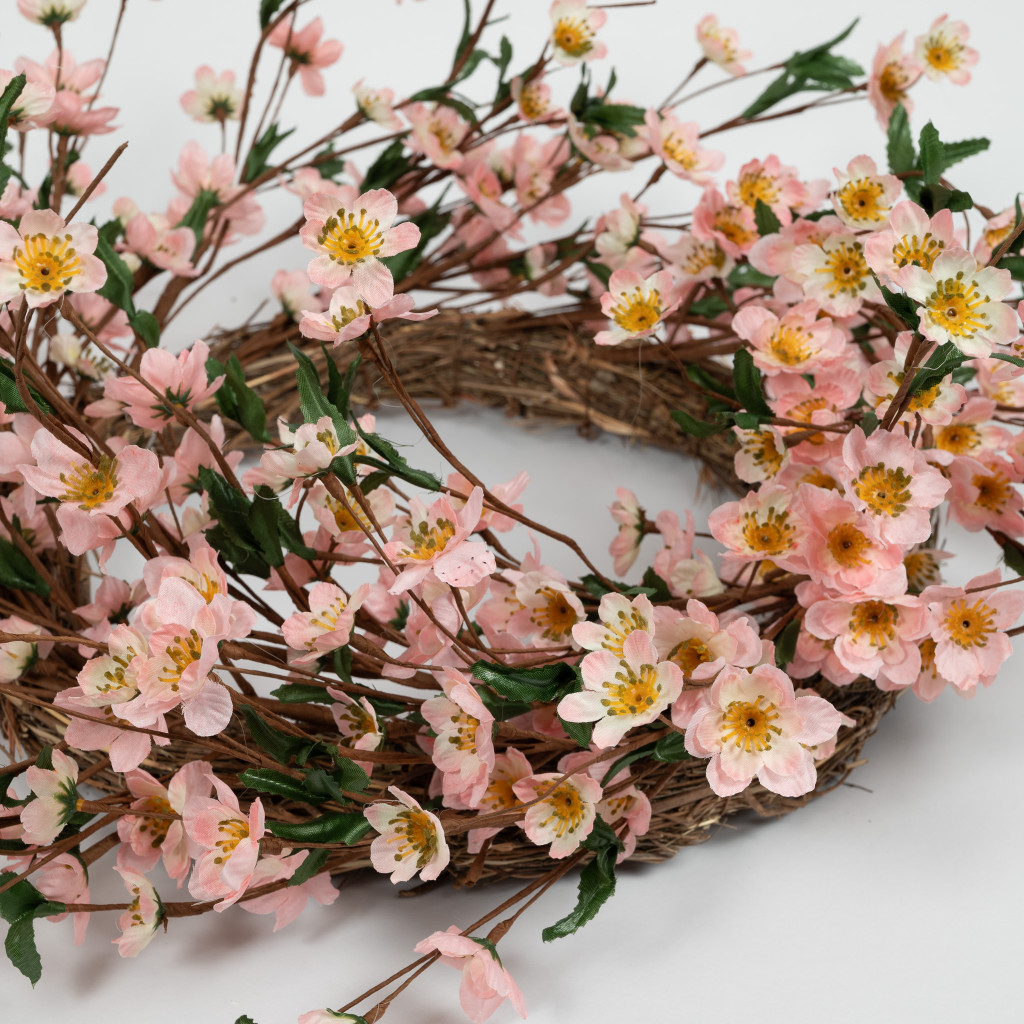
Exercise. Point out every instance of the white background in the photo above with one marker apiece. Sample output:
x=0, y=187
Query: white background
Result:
x=896, y=899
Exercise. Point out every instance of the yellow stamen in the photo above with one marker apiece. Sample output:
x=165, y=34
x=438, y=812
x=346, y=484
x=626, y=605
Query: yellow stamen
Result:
x=634, y=693
x=876, y=619
x=884, y=491
x=573, y=35
x=848, y=545
x=748, y=724
x=846, y=268
x=47, y=263
x=772, y=535
x=970, y=625
x=349, y=241
x=954, y=306
x=637, y=311
x=89, y=486
x=556, y=616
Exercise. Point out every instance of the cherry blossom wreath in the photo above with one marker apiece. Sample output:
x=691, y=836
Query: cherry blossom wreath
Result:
x=238, y=676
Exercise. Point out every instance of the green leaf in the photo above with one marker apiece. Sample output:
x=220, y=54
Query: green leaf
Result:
x=20, y=906
x=579, y=732
x=1013, y=556
x=302, y=693
x=348, y=828
x=944, y=360
x=933, y=198
x=309, y=867
x=544, y=683
x=902, y=305
x=670, y=749
x=232, y=536
x=7, y=100
x=196, y=215
x=746, y=378
x=743, y=275
x=765, y=219
x=146, y=326
x=268, y=8
x=621, y=118
x=259, y=156
x=1007, y=358
x=658, y=587
x=236, y=400
x=118, y=285
x=596, y=886
x=314, y=403
x=339, y=389
x=1014, y=264
x=395, y=462
x=280, y=746
x=956, y=151
x=389, y=166
x=900, y=144
x=695, y=427
x=785, y=643
x=17, y=572
x=268, y=780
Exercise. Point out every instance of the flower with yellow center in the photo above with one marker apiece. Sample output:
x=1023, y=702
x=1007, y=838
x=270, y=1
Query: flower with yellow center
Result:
x=620, y=693
x=961, y=302
x=411, y=839
x=565, y=812
x=761, y=455
x=836, y=274
x=620, y=617
x=943, y=51
x=864, y=198
x=573, y=26
x=326, y=626
x=44, y=257
x=635, y=305
x=758, y=527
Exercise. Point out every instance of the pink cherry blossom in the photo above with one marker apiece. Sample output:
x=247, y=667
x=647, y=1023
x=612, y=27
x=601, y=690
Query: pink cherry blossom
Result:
x=620, y=693
x=701, y=644
x=635, y=305
x=43, y=258
x=411, y=839
x=677, y=144
x=307, y=53
x=911, y=239
x=376, y=105
x=56, y=796
x=753, y=724
x=533, y=99
x=288, y=903
x=943, y=51
x=436, y=541
x=348, y=316
x=864, y=198
x=348, y=232
x=797, y=342
x=51, y=12
x=326, y=626
x=140, y=921
x=721, y=45
x=835, y=274
x=572, y=34
x=485, y=983
x=892, y=74
x=230, y=842
x=565, y=812
x=215, y=97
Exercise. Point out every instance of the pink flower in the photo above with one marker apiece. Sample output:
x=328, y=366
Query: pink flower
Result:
x=835, y=274
x=436, y=541
x=774, y=184
x=630, y=516
x=619, y=617
x=230, y=840
x=509, y=768
x=485, y=983
x=548, y=610
x=463, y=750
x=306, y=52
x=760, y=526
x=731, y=225
x=982, y=495
x=892, y=75
x=411, y=839
x=349, y=316
x=357, y=723
x=56, y=797
x=34, y=106
x=181, y=380
x=51, y=12
x=635, y=305
x=961, y=302
x=572, y=33
x=43, y=258
x=798, y=342
x=969, y=627
x=376, y=105
x=701, y=644
x=437, y=133
x=183, y=652
x=943, y=50
x=17, y=656
x=153, y=238
x=215, y=97
x=326, y=626
x=864, y=198
x=147, y=839
x=678, y=145
x=753, y=724
x=286, y=904
x=533, y=99
x=349, y=232
x=885, y=476
x=721, y=45
x=564, y=816
x=873, y=636
x=139, y=922
x=620, y=693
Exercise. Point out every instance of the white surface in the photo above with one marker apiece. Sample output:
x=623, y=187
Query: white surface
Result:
x=895, y=900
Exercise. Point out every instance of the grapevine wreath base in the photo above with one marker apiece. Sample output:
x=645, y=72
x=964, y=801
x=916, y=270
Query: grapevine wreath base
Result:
x=535, y=368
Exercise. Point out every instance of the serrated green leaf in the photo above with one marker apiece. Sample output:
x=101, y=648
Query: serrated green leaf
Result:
x=902, y=305
x=1013, y=557
x=8, y=98
x=119, y=283
x=302, y=693
x=309, y=867
x=347, y=827
x=20, y=906
x=17, y=572
x=280, y=746
x=269, y=780
x=268, y=8
x=1015, y=265
x=236, y=400
x=657, y=586
x=146, y=326
x=944, y=360
x=765, y=219
x=314, y=402
x=695, y=427
x=259, y=156
x=596, y=886
x=580, y=733
x=900, y=144
x=785, y=644
x=746, y=379
x=395, y=462
x=670, y=749
x=544, y=683
x=932, y=159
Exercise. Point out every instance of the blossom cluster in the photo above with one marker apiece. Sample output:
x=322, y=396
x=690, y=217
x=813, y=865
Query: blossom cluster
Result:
x=276, y=664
